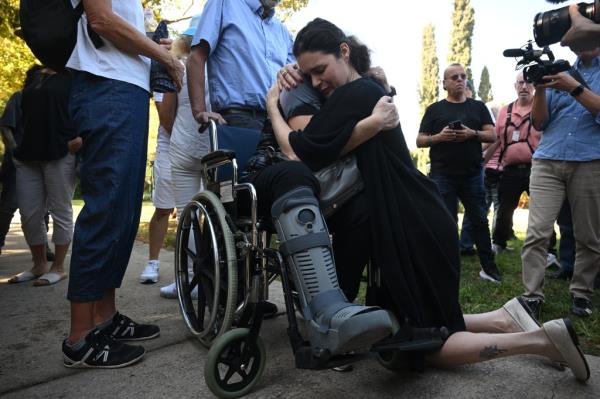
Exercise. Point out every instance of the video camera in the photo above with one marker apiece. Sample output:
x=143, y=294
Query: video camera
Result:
x=550, y=26
x=534, y=67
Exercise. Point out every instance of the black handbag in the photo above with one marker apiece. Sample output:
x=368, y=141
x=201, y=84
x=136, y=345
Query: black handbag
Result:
x=339, y=182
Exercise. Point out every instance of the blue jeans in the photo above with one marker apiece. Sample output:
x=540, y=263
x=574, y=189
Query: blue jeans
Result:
x=470, y=191
x=490, y=182
x=111, y=117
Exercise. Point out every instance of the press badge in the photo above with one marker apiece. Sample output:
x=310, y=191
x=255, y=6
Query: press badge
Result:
x=516, y=135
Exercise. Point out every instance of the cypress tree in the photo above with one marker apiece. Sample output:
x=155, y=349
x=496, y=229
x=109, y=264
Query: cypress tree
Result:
x=485, y=86
x=463, y=22
x=429, y=88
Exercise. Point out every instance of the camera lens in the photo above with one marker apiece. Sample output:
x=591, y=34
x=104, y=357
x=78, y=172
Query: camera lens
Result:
x=550, y=26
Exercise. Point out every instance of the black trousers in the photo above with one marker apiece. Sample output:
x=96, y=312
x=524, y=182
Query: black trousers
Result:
x=514, y=181
x=349, y=225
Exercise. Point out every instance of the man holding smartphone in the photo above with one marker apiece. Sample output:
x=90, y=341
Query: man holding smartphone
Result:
x=454, y=129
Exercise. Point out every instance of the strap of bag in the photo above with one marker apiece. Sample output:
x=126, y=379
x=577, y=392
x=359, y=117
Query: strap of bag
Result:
x=527, y=119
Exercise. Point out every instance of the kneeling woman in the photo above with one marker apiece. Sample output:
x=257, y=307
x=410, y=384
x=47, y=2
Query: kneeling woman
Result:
x=412, y=238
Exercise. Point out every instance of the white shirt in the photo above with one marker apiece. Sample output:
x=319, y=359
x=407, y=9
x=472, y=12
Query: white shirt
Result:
x=108, y=61
x=184, y=135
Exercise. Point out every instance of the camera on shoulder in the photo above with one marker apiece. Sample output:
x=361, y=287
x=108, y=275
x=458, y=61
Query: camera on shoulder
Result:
x=537, y=63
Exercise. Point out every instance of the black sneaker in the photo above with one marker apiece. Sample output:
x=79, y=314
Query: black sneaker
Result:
x=491, y=273
x=102, y=352
x=533, y=306
x=581, y=307
x=123, y=328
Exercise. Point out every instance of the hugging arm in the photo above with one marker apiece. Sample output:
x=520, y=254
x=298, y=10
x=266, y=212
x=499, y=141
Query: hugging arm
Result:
x=383, y=116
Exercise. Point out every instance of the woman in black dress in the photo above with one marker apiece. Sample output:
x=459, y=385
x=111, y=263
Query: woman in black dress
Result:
x=412, y=237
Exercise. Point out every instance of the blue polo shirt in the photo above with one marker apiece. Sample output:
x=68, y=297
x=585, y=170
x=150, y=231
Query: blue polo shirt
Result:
x=246, y=51
x=572, y=133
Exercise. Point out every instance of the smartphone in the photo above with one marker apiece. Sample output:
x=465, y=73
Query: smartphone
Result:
x=455, y=125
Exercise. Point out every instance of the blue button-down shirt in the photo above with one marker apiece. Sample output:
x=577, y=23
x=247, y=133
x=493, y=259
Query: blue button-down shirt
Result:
x=246, y=51
x=572, y=133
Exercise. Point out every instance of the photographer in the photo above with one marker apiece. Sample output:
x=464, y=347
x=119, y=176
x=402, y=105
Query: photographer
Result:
x=566, y=163
x=454, y=128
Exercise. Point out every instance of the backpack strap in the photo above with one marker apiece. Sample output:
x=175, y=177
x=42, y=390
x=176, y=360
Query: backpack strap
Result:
x=508, y=122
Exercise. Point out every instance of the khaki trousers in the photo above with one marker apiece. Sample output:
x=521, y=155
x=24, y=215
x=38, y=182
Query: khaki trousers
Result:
x=550, y=182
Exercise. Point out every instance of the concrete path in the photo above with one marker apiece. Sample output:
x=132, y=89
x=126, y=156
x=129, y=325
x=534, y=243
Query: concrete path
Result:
x=34, y=321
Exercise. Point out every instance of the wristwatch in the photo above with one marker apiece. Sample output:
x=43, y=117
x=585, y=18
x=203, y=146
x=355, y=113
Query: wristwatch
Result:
x=577, y=91
x=476, y=134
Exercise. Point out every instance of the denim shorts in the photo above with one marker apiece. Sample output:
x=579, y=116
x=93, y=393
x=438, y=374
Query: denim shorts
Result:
x=111, y=117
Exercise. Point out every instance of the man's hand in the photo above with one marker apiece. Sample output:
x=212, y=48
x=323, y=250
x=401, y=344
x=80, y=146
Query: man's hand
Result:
x=74, y=145
x=563, y=82
x=273, y=96
x=583, y=35
x=166, y=43
x=289, y=77
x=203, y=117
x=175, y=69
x=445, y=135
x=386, y=112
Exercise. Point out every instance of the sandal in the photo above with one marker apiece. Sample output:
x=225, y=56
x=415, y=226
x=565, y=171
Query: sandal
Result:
x=49, y=278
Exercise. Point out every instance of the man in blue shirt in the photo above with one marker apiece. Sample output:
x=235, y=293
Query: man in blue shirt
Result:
x=566, y=164
x=243, y=46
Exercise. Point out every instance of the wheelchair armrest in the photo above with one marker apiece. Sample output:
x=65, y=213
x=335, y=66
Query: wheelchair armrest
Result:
x=217, y=157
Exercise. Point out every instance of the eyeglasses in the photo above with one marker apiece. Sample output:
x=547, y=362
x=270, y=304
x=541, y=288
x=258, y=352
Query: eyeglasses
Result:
x=522, y=83
x=462, y=76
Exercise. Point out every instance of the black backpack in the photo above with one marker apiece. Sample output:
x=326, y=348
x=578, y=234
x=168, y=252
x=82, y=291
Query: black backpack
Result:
x=49, y=28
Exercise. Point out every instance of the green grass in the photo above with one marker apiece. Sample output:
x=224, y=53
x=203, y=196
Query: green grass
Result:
x=478, y=296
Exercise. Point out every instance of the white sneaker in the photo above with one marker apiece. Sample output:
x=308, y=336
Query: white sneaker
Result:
x=170, y=291
x=552, y=261
x=150, y=273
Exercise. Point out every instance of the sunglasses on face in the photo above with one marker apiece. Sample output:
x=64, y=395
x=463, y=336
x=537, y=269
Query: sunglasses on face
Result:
x=462, y=76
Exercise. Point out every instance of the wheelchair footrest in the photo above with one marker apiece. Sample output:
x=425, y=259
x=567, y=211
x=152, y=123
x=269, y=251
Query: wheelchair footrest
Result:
x=307, y=359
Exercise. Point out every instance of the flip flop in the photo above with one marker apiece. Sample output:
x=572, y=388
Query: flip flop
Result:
x=49, y=279
x=27, y=275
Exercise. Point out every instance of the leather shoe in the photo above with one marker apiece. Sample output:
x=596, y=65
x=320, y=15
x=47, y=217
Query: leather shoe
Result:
x=564, y=338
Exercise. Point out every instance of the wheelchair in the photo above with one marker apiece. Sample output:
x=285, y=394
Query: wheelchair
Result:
x=223, y=252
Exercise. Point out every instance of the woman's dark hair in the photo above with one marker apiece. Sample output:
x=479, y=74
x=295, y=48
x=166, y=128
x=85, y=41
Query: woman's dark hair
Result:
x=322, y=35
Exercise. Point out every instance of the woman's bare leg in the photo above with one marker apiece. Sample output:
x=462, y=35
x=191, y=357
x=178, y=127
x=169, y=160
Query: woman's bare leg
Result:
x=467, y=347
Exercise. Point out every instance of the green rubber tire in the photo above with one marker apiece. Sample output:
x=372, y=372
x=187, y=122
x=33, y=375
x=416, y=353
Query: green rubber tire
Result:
x=232, y=340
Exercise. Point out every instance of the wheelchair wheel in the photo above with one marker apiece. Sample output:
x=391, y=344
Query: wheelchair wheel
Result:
x=392, y=360
x=205, y=261
x=226, y=372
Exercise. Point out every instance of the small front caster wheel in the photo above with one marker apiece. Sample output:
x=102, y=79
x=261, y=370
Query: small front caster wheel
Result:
x=232, y=366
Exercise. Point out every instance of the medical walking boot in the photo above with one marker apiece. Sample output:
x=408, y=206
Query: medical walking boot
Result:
x=334, y=325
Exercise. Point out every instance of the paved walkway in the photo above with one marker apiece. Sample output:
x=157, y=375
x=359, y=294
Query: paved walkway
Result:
x=34, y=320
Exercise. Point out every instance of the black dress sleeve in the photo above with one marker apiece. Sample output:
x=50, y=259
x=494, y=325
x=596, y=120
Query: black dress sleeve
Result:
x=329, y=130
x=12, y=112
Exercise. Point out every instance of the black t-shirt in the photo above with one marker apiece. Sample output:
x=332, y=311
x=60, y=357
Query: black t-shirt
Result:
x=46, y=122
x=454, y=157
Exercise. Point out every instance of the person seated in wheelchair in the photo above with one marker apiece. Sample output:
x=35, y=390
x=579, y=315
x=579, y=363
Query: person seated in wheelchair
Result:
x=398, y=221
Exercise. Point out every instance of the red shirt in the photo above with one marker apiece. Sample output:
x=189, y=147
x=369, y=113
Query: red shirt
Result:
x=515, y=150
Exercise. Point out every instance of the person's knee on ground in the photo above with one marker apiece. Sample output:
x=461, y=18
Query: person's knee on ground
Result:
x=334, y=324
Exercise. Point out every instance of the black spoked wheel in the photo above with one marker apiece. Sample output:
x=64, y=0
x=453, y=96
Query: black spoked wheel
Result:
x=205, y=268
x=232, y=366
x=392, y=360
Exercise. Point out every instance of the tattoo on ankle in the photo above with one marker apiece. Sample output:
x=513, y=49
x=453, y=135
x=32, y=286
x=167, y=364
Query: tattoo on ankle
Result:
x=491, y=352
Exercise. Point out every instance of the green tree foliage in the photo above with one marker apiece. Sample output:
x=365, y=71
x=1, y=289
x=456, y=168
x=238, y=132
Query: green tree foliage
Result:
x=485, y=86
x=15, y=57
x=429, y=89
x=463, y=22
